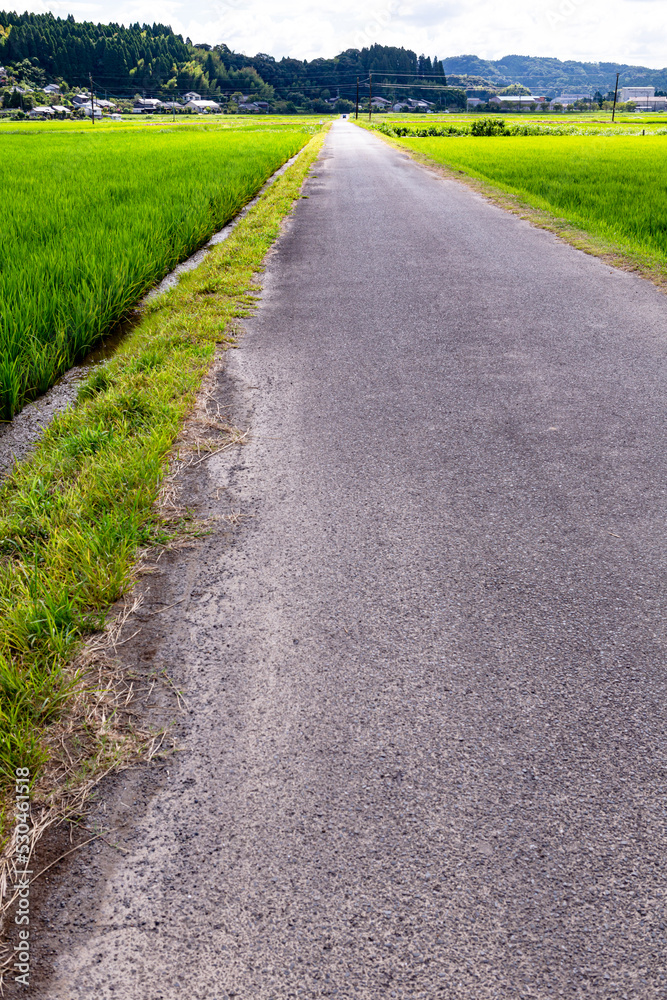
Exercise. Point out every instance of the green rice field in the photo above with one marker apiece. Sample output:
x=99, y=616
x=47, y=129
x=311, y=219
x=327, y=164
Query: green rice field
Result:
x=614, y=187
x=588, y=123
x=94, y=215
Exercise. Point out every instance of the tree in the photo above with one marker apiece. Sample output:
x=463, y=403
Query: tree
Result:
x=514, y=89
x=439, y=70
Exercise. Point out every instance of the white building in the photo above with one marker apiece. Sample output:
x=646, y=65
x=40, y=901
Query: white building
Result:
x=203, y=107
x=516, y=100
x=638, y=94
x=644, y=98
x=89, y=111
x=191, y=96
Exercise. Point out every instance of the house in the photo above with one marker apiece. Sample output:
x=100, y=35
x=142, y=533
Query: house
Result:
x=410, y=104
x=146, y=106
x=568, y=100
x=657, y=104
x=172, y=106
x=60, y=111
x=79, y=99
x=474, y=102
x=41, y=113
x=52, y=88
x=253, y=107
x=191, y=96
x=203, y=107
x=516, y=100
x=380, y=102
x=100, y=106
x=116, y=118
x=88, y=109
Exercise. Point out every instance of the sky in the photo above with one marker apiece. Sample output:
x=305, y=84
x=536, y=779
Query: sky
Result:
x=629, y=31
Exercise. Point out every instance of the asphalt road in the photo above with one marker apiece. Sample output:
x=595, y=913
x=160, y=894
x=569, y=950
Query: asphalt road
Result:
x=426, y=675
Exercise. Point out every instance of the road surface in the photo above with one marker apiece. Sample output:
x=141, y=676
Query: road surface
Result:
x=425, y=674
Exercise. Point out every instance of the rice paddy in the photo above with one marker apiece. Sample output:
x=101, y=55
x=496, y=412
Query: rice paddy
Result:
x=95, y=215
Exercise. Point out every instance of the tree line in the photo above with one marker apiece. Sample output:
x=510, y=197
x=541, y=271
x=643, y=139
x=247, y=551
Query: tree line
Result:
x=151, y=59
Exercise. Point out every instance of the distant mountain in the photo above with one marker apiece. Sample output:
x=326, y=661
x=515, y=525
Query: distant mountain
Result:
x=547, y=76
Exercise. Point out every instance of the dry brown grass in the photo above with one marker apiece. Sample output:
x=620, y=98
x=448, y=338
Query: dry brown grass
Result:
x=101, y=731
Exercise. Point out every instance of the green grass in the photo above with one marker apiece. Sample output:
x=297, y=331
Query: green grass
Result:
x=94, y=216
x=612, y=187
x=74, y=514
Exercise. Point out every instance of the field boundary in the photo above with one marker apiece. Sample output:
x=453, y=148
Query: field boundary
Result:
x=93, y=499
x=63, y=396
x=161, y=195
x=611, y=253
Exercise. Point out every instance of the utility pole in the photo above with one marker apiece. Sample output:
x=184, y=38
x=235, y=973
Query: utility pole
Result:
x=92, y=98
x=356, y=110
x=613, y=114
x=370, y=96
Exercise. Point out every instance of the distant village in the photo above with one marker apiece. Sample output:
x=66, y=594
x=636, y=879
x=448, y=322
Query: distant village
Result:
x=85, y=104
x=57, y=101
x=632, y=98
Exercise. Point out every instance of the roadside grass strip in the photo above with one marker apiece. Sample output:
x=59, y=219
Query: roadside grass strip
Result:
x=74, y=515
x=93, y=219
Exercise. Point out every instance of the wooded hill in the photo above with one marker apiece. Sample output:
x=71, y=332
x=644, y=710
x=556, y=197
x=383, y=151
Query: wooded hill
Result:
x=150, y=59
x=549, y=77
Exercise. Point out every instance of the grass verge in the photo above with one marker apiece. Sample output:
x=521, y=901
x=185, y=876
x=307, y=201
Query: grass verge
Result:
x=647, y=264
x=77, y=512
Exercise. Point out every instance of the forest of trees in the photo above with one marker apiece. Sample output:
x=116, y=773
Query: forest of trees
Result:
x=150, y=59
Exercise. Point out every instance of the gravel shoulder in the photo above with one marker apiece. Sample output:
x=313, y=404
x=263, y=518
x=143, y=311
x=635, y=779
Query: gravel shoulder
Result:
x=422, y=648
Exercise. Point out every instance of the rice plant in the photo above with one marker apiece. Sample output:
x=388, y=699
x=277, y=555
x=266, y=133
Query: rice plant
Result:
x=92, y=218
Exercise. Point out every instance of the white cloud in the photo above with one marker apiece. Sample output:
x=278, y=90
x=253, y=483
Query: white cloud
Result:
x=595, y=30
